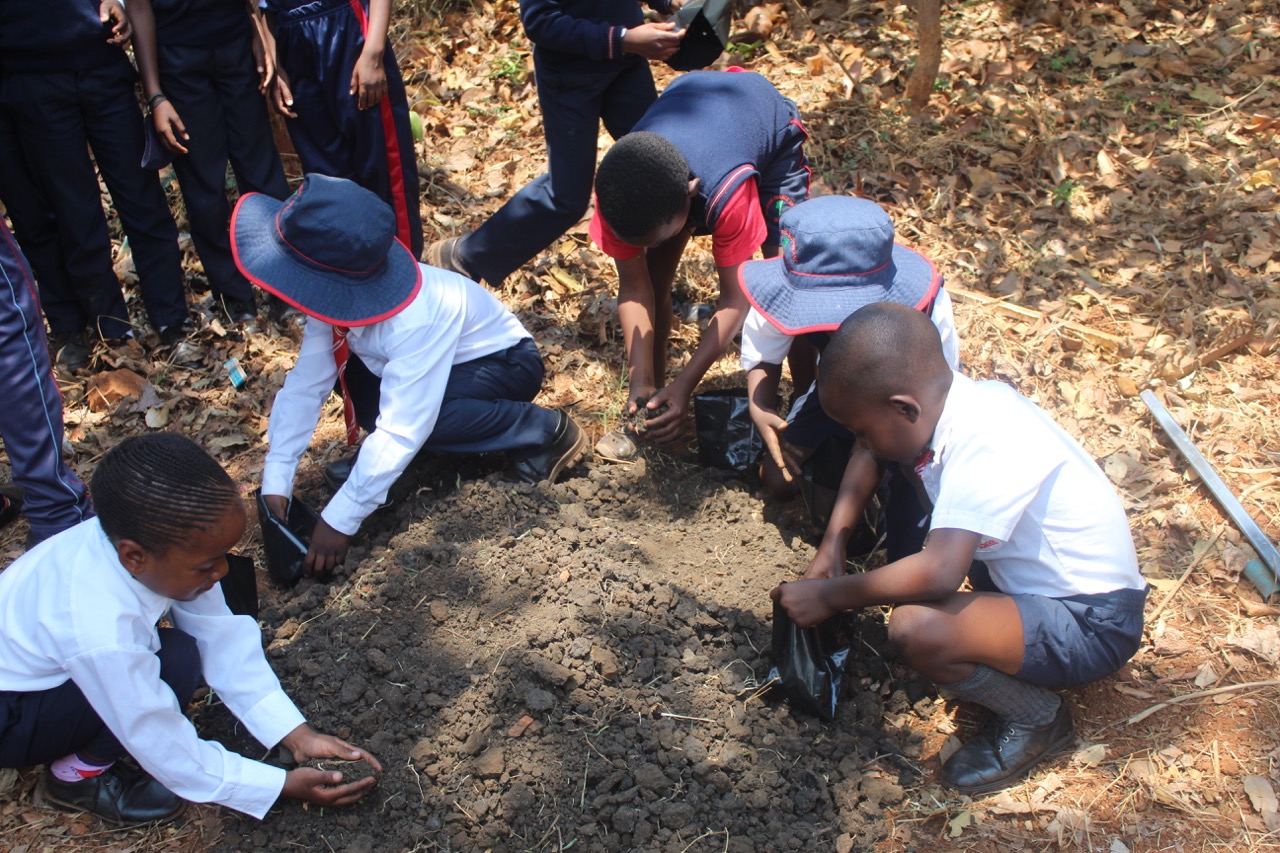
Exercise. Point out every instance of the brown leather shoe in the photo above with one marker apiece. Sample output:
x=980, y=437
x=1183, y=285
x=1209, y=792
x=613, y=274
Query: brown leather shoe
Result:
x=447, y=255
x=120, y=795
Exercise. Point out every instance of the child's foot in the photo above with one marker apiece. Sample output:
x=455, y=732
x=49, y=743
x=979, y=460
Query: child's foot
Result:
x=1002, y=752
x=564, y=449
x=120, y=795
x=618, y=445
x=447, y=255
x=70, y=350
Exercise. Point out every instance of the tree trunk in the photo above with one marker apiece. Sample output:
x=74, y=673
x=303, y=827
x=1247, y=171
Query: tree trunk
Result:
x=920, y=86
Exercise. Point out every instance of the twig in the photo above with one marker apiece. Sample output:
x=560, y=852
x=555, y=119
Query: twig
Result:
x=1230, y=688
x=671, y=716
x=1176, y=587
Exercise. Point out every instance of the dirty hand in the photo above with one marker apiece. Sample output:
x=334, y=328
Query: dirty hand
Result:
x=638, y=396
x=770, y=426
x=804, y=601
x=368, y=81
x=827, y=563
x=170, y=127
x=306, y=743
x=324, y=787
x=666, y=426
x=282, y=94
x=653, y=41
x=328, y=550
x=112, y=12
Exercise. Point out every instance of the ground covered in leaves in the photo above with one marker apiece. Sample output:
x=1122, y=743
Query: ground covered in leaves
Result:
x=575, y=667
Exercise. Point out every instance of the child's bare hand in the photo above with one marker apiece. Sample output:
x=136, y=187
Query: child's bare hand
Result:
x=637, y=396
x=368, y=81
x=111, y=12
x=278, y=504
x=264, y=61
x=804, y=601
x=282, y=94
x=328, y=550
x=666, y=426
x=306, y=743
x=770, y=426
x=324, y=787
x=827, y=563
x=170, y=127
x=653, y=41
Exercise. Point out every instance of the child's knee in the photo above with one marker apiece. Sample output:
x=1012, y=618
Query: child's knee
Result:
x=919, y=634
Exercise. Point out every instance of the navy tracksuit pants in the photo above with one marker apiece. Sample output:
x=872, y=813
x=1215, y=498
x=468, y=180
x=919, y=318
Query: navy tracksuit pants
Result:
x=43, y=726
x=31, y=418
x=318, y=45
x=215, y=91
x=573, y=104
x=60, y=115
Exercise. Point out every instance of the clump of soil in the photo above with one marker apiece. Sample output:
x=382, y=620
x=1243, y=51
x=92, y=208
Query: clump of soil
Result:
x=638, y=420
x=352, y=771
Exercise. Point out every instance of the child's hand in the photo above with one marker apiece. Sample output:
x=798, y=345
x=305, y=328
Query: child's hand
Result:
x=278, y=504
x=328, y=550
x=264, y=61
x=666, y=426
x=770, y=426
x=112, y=13
x=368, y=80
x=323, y=787
x=637, y=396
x=827, y=563
x=306, y=743
x=282, y=95
x=804, y=601
x=653, y=41
x=170, y=127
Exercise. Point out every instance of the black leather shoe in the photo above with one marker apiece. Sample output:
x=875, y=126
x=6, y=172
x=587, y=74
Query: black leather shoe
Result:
x=11, y=497
x=1002, y=752
x=546, y=464
x=120, y=795
x=338, y=471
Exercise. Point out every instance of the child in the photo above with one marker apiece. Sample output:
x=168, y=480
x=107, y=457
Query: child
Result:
x=31, y=419
x=202, y=83
x=457, y=371
x=839, y=255
x=719, y=153
x=70, y=88
x=88, y=678
x=590, y=63
x=341, y=91
x=1059, y=601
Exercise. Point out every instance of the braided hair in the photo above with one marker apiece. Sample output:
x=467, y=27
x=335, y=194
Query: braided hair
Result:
x=643, y=181
x=157, y=488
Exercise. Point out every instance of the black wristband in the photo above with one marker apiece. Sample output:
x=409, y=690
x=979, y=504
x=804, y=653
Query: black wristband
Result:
x=156, y=99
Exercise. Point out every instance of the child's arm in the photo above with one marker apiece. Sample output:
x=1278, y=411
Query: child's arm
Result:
x=930, y=575
x=861, y=476
x=548, y=26
x=762, y=393
x=637, y=316
x=264, y=51
x=111, y=10
x=281, y=95
x=369, y=77
x=167, y=121
x=731, y=310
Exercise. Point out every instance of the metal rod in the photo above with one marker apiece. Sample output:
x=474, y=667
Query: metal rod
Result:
x=1267, y=553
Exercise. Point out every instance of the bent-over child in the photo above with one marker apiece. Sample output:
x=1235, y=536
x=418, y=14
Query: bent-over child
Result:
x=87, y=678
x=1057, y=599
x=450, y=369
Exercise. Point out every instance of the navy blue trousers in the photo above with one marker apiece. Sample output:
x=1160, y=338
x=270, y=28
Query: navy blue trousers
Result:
x=487, y=404
x=573, y=105
x=40, y=727
x=215, y=91
x=318, y=45
x=60, y=115
x=31, y=417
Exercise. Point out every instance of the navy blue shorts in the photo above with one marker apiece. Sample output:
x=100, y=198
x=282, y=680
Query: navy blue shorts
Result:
x=808, y=426
x=1079, y=639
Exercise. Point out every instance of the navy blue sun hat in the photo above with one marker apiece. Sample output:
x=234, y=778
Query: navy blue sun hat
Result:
x=329, y=250
x=838, y=255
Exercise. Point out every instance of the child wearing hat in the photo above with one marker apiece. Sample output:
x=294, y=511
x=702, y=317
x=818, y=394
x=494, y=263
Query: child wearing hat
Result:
x=87, y=677
x=1058, y=597
x=719, y=153
x=456, y=371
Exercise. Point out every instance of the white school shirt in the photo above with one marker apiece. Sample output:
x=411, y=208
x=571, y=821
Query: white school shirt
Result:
x=451, y=321
x=765, y=343
x=1050, y=521
x=70, y=610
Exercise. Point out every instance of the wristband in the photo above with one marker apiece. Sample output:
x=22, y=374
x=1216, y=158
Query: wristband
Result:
x=156, y=99
x=622, y=34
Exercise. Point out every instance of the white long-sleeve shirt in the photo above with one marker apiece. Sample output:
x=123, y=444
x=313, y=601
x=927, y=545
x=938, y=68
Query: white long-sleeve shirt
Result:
x=70, y=610
x=451, y=321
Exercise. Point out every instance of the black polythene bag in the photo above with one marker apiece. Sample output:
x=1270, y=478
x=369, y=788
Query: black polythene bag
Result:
x=287, y=540
x=808, y=664
x=727, y=438
x=706, y=26
x=240, y=586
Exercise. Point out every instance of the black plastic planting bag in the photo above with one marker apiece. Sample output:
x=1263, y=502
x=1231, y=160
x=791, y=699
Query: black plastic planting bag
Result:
x=706, y=26
x=240, y=586
x=726, y=436
x=807, y=665
x=286, y=541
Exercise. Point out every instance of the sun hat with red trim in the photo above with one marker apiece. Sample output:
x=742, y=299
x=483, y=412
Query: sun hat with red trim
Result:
x=329, y=250
x=838, y=255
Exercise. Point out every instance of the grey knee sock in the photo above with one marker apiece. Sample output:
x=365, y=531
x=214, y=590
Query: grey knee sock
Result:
x=1008, y=697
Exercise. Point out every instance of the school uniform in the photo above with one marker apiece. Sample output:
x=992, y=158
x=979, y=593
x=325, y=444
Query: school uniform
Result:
x=68, y=90
x=457, y=373
x=583, y=78
x=745, y=143
x=86, y=669
x=1054, y=533
x=317, y=45
x=208, y=72
x=31, y=419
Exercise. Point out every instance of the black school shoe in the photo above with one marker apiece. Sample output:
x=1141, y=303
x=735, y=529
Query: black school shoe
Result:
x=120, y=795
x=566, y=446
x=11, y=496
x=1002, y=752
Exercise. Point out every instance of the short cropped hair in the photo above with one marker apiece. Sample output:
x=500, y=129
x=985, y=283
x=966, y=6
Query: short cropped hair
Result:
x=880, y=350
x=642, y=182
x=157, y=488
